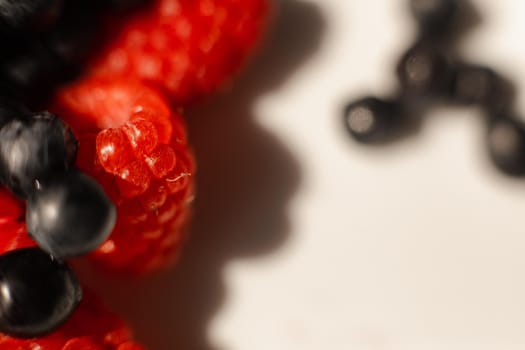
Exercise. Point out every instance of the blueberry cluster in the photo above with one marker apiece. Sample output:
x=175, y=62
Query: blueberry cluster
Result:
x=68, y=214
x=430, y=72
x=45, y=42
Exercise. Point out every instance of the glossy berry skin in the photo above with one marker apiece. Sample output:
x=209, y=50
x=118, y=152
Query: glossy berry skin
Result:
x=69, y=214
x=135, y=146
x=33, y=147
x=188, y=48
x=38, y=293
x=90, y=327
x=506, y=145
x=372, y=120
x=423, y=71
x=434, y=16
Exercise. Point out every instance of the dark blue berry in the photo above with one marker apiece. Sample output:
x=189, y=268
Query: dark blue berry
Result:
x=33, y=148
x=32, y=70
x=69, y=215
x=9, y=110
x=481, y=86
x=424, y=71
x=506, y=144
x=371, y=120
x=37, y=293
x=434, y=16
x=23, y=14
x=70, y=43
x=123, y=4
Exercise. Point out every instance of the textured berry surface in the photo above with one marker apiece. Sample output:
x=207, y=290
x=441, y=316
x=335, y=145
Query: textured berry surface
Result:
x=188, y=47
x=91, y=327
x=135, y=146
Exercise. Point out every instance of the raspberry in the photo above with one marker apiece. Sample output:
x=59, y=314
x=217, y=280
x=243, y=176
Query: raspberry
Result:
x=188, y=47
x=91, y=327
x=12, y=226
x=135, y=146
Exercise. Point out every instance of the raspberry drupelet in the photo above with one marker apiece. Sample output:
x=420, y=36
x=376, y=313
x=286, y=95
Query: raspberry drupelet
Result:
x=189, y=48
x=135, y=146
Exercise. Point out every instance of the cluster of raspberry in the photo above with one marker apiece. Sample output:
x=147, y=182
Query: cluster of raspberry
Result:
x=430, y=73
x=104, y=168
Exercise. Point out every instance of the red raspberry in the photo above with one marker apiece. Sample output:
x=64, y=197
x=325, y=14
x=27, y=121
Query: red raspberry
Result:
x=188, y=47
x=135, y=146
x=91, y=327
x=12, y=226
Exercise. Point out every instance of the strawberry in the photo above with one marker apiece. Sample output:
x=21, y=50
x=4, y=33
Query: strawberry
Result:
x=189, y=48
x=135, y=146
x=91, y=327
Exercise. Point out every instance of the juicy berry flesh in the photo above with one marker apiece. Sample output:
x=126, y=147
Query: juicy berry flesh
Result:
x=135, y=146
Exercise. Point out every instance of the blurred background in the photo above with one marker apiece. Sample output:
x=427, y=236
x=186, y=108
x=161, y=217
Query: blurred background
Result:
x=305, y=239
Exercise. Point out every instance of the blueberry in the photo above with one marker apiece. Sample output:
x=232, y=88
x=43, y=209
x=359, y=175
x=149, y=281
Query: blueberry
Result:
x=123, y=4
x=69, y=215
x=20, y=14
x=33, y=148
x=424, y=71
x=127, y=4
x=10, y=110
x=371, y=120
x=434, y=16
x=37, y=293
x=481, y=86
x=32, y=69
x=506, y=145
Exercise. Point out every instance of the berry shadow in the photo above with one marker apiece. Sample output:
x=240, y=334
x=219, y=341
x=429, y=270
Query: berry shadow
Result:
x=246, y=178
x=433, y=74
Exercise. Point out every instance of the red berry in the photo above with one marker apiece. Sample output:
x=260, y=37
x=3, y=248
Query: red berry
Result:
x=113, y=150
x=12, y=227
x=189, y=48
x=142, y=161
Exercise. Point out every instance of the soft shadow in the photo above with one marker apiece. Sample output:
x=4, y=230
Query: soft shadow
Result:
x=246, y=178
